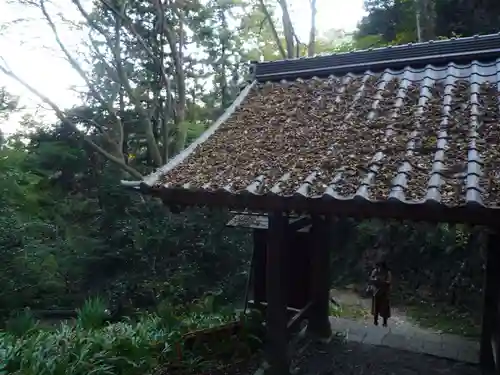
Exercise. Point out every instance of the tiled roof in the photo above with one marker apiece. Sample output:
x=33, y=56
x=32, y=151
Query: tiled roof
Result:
x=417, y=55
x=410, y=135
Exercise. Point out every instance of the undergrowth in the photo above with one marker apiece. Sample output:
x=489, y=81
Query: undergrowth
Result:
x=134, y=346
x=444, y=319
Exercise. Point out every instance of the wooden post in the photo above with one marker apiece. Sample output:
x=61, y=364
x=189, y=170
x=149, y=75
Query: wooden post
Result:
x=298, y=268
x=491, y=290
x=321, y=240
x=259, y=270
x=277, y=336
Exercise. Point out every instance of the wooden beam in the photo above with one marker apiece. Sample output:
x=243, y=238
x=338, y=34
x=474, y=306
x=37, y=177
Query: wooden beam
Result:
x=260, y=221
x=263, y=306
x=429, y=211
x=491, y=291
x=321, y=240
x=299, y=223
x=277, y=296
x=299, y=315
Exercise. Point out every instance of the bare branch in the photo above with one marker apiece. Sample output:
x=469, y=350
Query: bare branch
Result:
x=120, y=74
x=92, y=121
x=110, y=70
x=273, y=29
x=130, y=27
x=63, y=118
x=74, y=64
x=146, y=118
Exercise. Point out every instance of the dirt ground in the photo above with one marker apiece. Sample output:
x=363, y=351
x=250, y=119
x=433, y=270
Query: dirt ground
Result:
x=360, y=308
x=341, y=358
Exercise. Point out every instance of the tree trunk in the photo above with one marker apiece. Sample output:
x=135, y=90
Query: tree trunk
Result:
x=288, y=29
x=428, y=19
x=176, y=50
x=312, y=32
x=418, y=20
x=273, y=29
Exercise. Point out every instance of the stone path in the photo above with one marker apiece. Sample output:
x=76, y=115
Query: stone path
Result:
x=440, y=345
x=398, y=319
x=402, y=333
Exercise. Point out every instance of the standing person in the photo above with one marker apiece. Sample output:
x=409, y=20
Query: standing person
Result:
x=380, y=280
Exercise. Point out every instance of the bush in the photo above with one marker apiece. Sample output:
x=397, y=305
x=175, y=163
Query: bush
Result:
x=93, y=314
x=21, y=324
x=121, y=348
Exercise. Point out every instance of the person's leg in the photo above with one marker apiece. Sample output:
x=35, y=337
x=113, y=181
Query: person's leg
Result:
x=375, y=310
x=385, y=310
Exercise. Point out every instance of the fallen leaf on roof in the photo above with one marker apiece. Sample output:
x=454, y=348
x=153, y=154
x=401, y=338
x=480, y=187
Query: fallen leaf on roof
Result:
x=370, y=134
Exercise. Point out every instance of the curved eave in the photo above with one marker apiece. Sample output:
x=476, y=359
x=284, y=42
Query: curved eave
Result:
x=155, y=177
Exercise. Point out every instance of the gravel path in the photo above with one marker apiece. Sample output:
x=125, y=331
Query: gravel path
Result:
x=399, y=320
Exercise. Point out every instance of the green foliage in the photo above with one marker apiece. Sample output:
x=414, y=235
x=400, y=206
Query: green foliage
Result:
x=22, y=323
x=121, y=348
x=446, y=319
x=93, y=314
x=354, y=312
x=194, y=131
x=68, y=228
x=8, y=104
x=395, y=21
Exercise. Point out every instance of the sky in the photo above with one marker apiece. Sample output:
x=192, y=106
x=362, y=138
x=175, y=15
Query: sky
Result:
x=32, y=54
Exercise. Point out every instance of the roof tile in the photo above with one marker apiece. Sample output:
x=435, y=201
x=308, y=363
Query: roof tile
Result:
x=412, y=135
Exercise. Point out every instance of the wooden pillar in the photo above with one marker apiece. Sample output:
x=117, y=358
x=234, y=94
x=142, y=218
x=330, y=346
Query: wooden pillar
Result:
x=277, y=336
x=259, y=270
x=491, y=299
x=321, y=242
x=298, y=269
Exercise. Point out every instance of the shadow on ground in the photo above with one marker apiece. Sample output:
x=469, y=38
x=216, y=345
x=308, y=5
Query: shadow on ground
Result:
x=341, y=358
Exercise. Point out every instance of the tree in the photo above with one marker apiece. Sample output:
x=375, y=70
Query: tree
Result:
x=403, y=21
x=143, y=93
x=312, y=32
x=390, y=22
x=8, y=104
x=266, y=34
x=288, y=30
x=268, y=18
x=115, y=36
x=426, y=9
